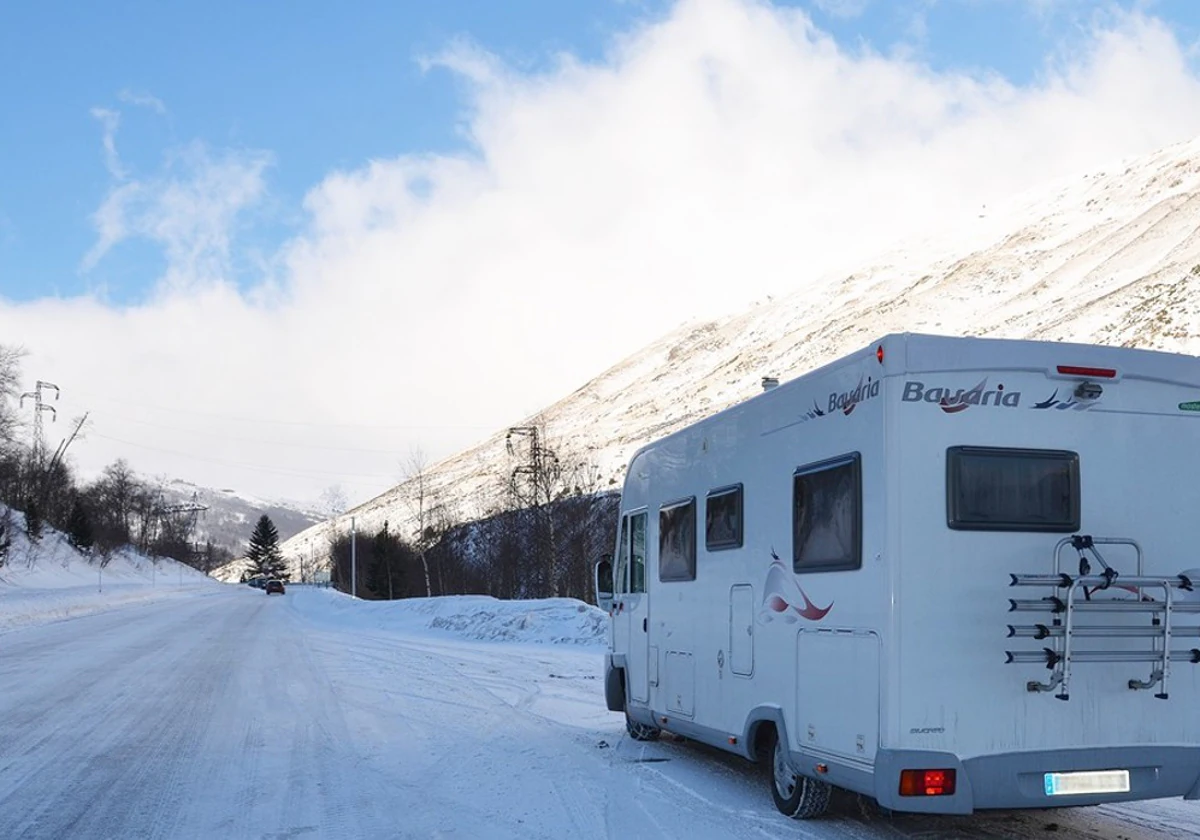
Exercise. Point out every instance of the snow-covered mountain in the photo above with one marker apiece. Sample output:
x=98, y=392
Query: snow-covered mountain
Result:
x=1111, y=257
x=231, y=516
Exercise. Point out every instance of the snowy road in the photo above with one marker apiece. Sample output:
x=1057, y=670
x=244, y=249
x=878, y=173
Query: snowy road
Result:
x=236, y=714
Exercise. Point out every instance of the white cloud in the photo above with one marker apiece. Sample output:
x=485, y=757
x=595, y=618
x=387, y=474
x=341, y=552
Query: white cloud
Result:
x=110, y=121
x=722, y=153
x=842, y=8
x=143, y=100
x=189, y=210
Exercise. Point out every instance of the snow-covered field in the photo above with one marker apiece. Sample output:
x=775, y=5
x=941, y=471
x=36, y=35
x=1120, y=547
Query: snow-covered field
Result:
x=226, y=712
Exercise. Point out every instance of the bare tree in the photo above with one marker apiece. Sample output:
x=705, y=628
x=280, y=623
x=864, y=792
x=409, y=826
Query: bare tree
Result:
x=422, y=506
x=10, y=373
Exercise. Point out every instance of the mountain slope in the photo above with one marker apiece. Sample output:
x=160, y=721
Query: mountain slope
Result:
x=1110, y=258
x=230, y=518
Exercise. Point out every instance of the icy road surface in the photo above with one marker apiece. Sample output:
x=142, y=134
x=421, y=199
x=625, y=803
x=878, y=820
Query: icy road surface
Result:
x=240, y=715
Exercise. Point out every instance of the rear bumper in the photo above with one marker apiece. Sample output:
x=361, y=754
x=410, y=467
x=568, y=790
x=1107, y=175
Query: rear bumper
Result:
x=1017, y=780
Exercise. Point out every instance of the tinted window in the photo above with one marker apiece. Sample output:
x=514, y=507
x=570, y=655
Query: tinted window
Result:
x=723, y=519
x=677, y=541
x=989, y=489
x=827, y=516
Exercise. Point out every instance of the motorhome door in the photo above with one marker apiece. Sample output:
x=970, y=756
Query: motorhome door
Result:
x=631, y=616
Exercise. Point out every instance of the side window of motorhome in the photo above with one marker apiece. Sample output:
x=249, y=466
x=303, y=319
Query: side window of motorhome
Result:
x=621, y=571
x=723, y=519
x=995, y=489
x=677, y=541
x=827, y=515
x=637, y=553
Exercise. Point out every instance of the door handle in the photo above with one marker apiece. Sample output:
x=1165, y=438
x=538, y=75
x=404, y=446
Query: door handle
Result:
x=644, y=620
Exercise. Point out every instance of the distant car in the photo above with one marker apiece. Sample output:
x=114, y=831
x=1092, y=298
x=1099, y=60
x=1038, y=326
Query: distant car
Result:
x=257, y=582
x=274, y=586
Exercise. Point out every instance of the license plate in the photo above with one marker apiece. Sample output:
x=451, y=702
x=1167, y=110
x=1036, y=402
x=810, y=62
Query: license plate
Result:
x=1091, y=781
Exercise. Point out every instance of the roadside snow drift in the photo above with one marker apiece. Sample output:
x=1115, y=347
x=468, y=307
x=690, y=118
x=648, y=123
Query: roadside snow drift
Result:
x=555, y=621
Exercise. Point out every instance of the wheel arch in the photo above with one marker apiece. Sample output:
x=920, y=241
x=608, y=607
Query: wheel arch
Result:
x=759, y=723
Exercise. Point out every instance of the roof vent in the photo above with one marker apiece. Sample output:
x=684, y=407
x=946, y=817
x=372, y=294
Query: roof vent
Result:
x=769, y=382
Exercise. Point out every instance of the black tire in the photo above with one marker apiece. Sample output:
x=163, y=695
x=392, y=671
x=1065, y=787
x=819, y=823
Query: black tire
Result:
x=641, y=731
x=796, y=796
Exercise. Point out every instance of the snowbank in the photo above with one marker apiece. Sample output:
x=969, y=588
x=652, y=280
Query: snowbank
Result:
x=51, y=580
x=554, y=621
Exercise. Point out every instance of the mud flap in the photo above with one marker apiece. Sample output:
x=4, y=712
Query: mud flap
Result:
x=614, y=688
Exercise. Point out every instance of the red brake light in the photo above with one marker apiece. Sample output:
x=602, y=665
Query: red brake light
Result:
x=879, y=353
x=1095, y=373
x=927, y=782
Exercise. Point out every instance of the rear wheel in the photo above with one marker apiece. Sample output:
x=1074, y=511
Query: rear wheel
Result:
x=795, y=795
x=641, y=731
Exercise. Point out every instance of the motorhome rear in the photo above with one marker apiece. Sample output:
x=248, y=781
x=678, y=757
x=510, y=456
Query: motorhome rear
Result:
x=949, y=573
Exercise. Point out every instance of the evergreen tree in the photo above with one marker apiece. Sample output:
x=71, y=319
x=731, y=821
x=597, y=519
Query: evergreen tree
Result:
x=386, y=573
x=263, y=552
x=79, y=527
x=33, y=521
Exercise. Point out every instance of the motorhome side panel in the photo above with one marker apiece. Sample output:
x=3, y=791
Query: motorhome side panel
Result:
x=747, y=633
x=1137, y=455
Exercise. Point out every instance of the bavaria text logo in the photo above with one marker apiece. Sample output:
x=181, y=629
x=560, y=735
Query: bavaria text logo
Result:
x=952, y=400
x=845, y=401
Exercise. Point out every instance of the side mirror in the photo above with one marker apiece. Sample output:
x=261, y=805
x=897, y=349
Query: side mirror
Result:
x=604, y=583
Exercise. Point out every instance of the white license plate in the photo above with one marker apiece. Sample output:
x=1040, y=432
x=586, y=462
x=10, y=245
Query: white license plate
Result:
x=1091, y=781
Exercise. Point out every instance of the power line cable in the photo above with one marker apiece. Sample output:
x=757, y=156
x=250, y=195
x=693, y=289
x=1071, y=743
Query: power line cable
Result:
x=269, y=421
x=219, y=436
x=252, y=467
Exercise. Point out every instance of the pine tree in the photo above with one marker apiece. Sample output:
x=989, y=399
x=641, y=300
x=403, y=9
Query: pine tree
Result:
x=263, y=553
x=79, y=527
x=33, y=521
x=385, y=568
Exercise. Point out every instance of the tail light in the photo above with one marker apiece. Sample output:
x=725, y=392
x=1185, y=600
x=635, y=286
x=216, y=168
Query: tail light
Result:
x=1091, y=372
x=927, y=782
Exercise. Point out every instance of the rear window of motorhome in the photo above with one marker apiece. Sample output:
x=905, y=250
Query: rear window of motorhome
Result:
x=827, y=515
x=995, y=489
x=677, y=541
x=723, y=519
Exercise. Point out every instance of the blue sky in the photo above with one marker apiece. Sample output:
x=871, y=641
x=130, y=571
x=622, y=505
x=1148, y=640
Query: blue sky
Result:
x=320, y=87
x=277, y=246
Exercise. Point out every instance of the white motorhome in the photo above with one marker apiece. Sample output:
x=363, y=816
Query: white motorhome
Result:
x=948, y=573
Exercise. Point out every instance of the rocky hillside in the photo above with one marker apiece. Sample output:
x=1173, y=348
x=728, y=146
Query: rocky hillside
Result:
x=1112, y=257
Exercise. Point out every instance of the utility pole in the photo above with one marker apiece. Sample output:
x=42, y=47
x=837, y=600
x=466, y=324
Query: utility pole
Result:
x=191, y=510
x=353, y=558
x=532, y=485
x=39, y=440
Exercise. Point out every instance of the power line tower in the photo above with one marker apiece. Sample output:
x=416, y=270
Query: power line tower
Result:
x=534, y=485
x=531, y=482
x=188, y=513
x=39, y=436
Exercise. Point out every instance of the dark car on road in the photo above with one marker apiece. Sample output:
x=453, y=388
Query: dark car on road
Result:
x=274, y=586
